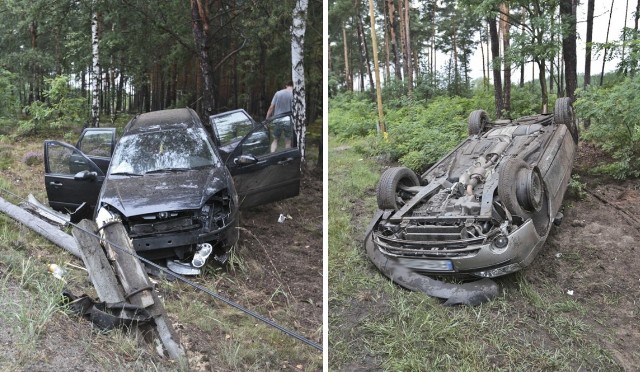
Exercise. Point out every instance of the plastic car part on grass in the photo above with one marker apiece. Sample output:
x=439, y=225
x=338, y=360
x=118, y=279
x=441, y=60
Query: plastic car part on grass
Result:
x=470, y=293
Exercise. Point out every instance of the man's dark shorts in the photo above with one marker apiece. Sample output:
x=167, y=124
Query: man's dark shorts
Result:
x=281, y=126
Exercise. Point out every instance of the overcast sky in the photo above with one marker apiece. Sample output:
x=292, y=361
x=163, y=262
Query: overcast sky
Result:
x=601, y=18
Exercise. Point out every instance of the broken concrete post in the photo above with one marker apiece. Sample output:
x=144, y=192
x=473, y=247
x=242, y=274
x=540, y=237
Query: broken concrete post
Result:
x=47, y=230
x=100, y=271
x=133, y=277
x=137, y=287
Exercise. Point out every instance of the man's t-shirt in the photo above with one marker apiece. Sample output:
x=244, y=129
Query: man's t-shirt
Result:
x=282, y=101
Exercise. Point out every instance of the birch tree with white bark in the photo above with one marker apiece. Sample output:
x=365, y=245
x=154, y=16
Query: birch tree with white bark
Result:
x=297, y=73
x=96, y=73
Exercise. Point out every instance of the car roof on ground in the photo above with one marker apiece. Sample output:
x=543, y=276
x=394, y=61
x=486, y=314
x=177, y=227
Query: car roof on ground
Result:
x=157, y=120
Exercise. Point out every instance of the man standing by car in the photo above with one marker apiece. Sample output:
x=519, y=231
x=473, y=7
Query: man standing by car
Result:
x=281, y=103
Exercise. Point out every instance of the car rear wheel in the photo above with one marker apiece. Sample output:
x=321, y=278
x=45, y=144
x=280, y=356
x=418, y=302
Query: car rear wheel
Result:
x=563, y=114
x=478, y=119
x=390, y=193
x=521, y=188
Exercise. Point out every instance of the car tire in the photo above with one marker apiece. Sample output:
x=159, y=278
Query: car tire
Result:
x=388, y=187
x=521, y=188
x=563, y=114
x=478, y=119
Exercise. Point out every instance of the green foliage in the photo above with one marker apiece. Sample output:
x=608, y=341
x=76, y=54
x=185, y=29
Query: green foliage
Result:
x=524, y=101
x=614, y=126
x=62, y=109
x=577, y=187
x=352, y=115
x=419, y=131
x=9, y=101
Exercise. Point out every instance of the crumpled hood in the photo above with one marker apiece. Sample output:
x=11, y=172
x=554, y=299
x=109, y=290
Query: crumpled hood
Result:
x=160, y=192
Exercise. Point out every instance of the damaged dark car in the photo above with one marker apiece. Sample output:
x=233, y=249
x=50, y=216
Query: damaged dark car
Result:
x=175, y=184
x=483, y=211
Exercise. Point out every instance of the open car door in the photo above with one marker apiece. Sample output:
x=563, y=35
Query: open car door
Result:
x=71, y=179
x=265, y=163
x=97, y=144
x=229, y=128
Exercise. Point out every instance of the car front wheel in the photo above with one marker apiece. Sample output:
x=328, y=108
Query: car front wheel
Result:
x=390, y=193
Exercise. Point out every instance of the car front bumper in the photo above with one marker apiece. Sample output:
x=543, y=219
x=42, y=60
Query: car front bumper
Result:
x=169, y=245
x=480, y=260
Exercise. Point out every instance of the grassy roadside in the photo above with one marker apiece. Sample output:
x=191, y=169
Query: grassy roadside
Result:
x=38, y=334
x=376, y=325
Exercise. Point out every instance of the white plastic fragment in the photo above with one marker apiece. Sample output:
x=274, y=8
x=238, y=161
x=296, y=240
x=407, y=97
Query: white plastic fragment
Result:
x=281, y=218
x=57, y=271
x=570, y=292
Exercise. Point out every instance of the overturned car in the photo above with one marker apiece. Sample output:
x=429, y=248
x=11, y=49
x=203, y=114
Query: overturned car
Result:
x=484, y=210
x=175, y=184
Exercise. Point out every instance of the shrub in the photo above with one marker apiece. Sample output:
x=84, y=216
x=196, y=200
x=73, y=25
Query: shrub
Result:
x=32, y=158
x=352, y=115
x=614, y=113
x=61, y=109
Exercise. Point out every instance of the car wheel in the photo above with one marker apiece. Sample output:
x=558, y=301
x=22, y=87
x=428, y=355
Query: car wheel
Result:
x=563, y=114
x=389, y=192
x=521, y=188
x=478, y=119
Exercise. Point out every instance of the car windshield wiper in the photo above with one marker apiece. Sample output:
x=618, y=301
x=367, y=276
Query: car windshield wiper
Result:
x=203, y=166
x=126, y=174
x=167, y=170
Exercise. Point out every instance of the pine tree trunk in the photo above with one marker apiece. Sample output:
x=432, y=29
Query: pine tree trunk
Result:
x=604, y=59
x=407, y=48
x=347, y=73
x=495, y=54
x=543, y=84
x=387, y=70
x=568, y=13
x=504, y=26
x=366, y=52
x=587, y=54
x=634, y=46
x=393, y=28
x=297, y=63
x=200, y=28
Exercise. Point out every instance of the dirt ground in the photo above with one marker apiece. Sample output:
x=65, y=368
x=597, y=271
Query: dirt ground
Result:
x=595, y=253
x=282, y=269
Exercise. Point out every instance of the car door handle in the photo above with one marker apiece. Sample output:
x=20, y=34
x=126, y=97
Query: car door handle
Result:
x=285, y=161
x=54, y=183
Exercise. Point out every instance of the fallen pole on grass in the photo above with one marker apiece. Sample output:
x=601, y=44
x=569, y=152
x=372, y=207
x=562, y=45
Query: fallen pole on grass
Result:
x=43, y=228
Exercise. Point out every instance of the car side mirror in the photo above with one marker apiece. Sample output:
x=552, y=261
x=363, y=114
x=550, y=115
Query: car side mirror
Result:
x=245, y=160
x=85, y=175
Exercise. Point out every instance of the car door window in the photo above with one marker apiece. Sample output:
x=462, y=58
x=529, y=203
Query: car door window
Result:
x=231, y=127
x=66, y=160
x=97, y=142
x=258, y=142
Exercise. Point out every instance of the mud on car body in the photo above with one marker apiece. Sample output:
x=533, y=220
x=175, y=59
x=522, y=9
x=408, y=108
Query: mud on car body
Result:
x=171, y=182
x=484, y=210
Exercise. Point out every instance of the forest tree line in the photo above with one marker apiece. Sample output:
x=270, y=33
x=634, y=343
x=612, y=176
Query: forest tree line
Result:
x=529, y=59
x=150, y=56
x=511, y=36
